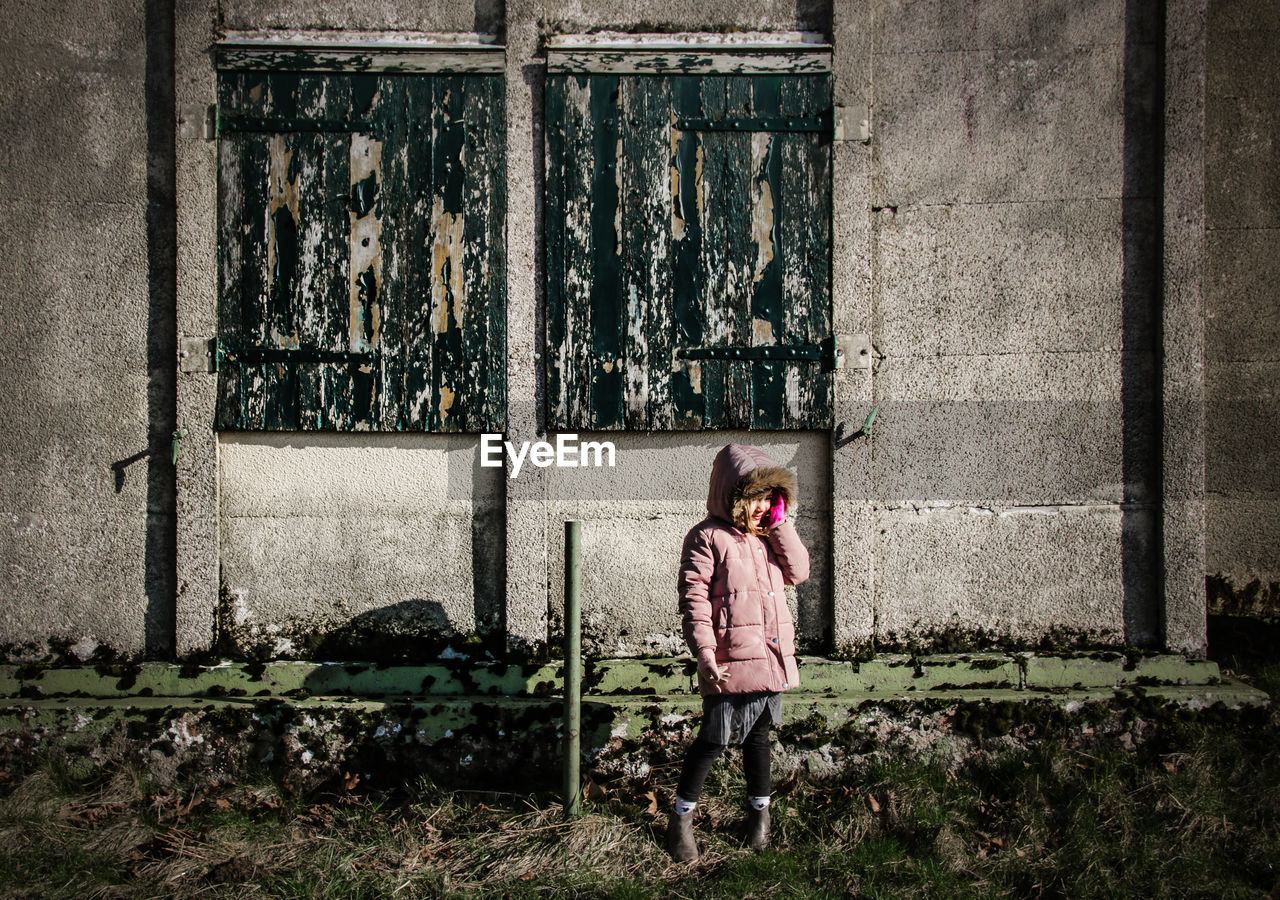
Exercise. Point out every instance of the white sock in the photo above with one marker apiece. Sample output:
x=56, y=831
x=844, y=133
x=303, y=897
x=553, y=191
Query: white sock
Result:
x=758, y=803
x=684, y=807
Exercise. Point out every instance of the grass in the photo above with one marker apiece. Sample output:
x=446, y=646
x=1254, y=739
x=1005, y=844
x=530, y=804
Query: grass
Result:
x=1192, y=812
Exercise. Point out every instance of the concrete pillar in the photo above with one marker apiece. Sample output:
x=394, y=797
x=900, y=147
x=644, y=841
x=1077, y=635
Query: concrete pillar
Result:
x=853, y=608
x=1183, y=450
x=197, y=286
x=526, y=504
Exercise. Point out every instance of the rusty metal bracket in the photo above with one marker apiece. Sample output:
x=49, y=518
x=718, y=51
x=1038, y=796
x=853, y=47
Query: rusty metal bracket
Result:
x=853, y=123
x=853, y=351
x=197, y=356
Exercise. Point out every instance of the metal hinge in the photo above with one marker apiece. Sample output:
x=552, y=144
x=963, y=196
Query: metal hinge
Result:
x=841, y=351
x=230, y=123
x=234, y=351
x=784, y=352
x=819, y=123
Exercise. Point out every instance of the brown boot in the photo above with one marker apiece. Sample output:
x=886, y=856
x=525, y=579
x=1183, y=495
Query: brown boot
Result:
x=680, y=842
x=757, y=837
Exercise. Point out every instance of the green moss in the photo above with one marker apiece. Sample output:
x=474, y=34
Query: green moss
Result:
x=1254, y=599
x=1059, y=640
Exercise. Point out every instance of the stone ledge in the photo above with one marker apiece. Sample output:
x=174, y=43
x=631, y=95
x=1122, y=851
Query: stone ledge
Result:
x=497, y=724
x=884, y=675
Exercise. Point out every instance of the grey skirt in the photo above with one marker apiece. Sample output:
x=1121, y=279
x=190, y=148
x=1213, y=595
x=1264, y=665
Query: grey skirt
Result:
x=728, y=717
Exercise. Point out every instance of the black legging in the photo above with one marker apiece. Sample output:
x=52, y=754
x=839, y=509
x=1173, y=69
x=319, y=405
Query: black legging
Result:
x=755, y=760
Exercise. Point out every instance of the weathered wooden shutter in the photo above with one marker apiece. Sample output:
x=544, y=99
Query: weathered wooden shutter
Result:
x=362, y=244
x=688, y=249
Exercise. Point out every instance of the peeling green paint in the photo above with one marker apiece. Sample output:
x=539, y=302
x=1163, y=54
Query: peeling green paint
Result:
x=355, y=272
x=670, y=246
x=1057, y=640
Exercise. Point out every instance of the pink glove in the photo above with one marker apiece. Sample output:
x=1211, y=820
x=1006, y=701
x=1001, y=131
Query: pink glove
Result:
x=778, y=512
x=708, y=669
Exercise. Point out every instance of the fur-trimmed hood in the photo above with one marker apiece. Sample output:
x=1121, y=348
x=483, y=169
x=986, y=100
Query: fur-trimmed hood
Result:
x=740, y=474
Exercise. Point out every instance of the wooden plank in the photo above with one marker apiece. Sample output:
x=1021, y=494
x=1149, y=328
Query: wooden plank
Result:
x=417, y=350
x=495, y=414
x=231, y=265
x=768, y=305
x=633, y=182
x=647, y=268
x=475, y=257
x=745, y=254
x=606, y=306
x=449, y=295
x=331, y=304
x=483, y=389
x=282, y=258
x=794, y=218
x=313, y=276
x=364, y=313
x=693, y=61
x=809, y=403
x=394, y=125
x=255, y=282
x=578, y=274
x=554, y=227
x=687, y=194
x=405, y=61
x=716, y=274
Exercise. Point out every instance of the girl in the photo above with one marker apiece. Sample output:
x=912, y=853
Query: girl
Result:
x=736, y=622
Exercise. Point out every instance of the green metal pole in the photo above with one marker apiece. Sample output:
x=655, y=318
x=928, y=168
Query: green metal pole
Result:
x=572, y=666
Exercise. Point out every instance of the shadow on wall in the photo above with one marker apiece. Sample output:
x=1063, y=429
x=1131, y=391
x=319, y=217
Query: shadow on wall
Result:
x=162, y=334
x=1142, y=215
x=411, y=632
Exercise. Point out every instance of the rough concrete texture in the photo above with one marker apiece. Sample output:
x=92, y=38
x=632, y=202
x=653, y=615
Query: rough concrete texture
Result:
x=527, y=535
x=995, y=238
x=393, y=534
x=1009, y=429
x=196, y=178
x=1013, y=298
x=979, y=125
x=993, y=278
x=87, y=496
x=852, y=517
x=1242, y=292
x=1017, y=574
x=484, y=16
x=636, y=516
x=570, y=16
x=1182, y=451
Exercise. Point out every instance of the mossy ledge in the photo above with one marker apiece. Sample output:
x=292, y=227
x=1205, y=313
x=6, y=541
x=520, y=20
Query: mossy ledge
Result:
x=466, y=722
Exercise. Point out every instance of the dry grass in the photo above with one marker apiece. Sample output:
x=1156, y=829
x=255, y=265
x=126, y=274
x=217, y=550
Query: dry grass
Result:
x=1195, y=812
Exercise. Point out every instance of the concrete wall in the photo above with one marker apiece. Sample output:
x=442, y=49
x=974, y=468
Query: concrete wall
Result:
x=636, y=516
x=1012, y=294
x=357, y=545
x=86, y=328
x=999, y=239
x=1242, y=293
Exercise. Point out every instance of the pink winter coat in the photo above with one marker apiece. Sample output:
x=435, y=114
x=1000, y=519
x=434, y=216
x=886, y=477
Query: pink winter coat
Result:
x=731, y=582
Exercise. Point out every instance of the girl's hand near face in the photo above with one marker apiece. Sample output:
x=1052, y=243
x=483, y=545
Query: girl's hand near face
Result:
x=777, y=512
x=708, y=669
